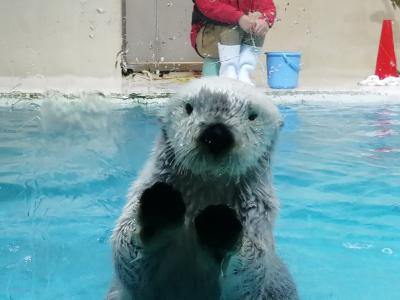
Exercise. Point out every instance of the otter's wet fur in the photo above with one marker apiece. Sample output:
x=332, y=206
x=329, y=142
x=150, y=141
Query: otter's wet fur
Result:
x=171, y=262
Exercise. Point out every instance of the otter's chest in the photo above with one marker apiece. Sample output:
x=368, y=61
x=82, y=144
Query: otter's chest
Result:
x=198, y=194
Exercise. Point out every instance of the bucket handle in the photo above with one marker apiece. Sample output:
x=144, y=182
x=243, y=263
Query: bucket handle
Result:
x=294, y=67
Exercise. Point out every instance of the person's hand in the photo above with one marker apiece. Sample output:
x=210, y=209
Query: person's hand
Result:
x=247, y=23
x=261, y=27
x=254, y=15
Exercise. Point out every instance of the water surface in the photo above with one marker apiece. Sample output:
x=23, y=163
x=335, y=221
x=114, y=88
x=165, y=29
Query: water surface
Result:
x=65, y=169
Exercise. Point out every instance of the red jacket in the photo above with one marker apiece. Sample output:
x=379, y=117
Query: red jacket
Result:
x=228, y=12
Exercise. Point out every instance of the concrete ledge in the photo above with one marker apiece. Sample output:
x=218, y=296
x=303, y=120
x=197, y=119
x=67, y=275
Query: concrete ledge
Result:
x=149, y=89
x=158, y=97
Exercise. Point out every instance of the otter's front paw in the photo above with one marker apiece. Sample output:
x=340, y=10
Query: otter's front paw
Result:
x=161, y=206
x=219, y=229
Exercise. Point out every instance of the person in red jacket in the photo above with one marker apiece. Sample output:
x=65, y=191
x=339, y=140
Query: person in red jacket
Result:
x=233, y=31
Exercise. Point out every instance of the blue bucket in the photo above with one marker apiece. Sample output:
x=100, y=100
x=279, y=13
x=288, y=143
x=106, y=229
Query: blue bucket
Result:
x=283, y=69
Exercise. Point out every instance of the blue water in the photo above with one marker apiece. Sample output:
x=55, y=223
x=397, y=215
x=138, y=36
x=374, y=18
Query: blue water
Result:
x=65, y=170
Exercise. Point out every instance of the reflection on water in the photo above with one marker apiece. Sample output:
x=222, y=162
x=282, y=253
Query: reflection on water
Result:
x=65, y=169
x=338, y=179
x=64, y=172
x=387, y=124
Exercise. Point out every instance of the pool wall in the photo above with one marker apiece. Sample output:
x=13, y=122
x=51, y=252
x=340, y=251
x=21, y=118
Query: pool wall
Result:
x=49, y=43
x=338, y=39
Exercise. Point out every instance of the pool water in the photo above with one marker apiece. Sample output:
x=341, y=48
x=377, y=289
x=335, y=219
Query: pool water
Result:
x=65, y=168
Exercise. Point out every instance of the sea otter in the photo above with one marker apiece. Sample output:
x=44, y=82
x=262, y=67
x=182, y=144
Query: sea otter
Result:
x=198, y=222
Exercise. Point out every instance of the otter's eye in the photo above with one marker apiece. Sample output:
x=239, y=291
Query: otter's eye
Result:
x=253, y=116
x=188, y=108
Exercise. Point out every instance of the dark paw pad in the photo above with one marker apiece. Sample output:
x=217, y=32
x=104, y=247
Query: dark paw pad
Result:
x=160, y=206
x=218, y=228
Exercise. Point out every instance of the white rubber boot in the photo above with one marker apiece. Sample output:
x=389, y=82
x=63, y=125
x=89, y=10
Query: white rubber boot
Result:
x=248, y=62
x=229, y=59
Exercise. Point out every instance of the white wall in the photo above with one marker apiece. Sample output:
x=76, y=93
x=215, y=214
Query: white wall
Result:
x=47, y=39
x=337, y=38
x=59, y=37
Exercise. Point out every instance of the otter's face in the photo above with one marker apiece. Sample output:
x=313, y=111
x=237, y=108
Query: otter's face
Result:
x=219, y=127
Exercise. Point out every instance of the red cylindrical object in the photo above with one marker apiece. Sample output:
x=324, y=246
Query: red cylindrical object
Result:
x=386, y=60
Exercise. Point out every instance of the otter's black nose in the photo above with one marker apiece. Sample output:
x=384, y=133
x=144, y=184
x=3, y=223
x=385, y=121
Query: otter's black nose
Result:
x=217, y=138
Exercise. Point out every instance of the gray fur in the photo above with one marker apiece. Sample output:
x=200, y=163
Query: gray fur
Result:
x=174, y=266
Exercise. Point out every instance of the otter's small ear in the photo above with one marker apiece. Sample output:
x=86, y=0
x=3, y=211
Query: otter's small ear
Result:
x=281, y=123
